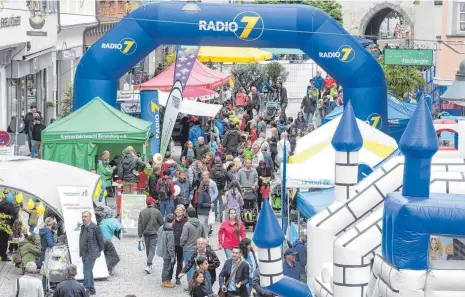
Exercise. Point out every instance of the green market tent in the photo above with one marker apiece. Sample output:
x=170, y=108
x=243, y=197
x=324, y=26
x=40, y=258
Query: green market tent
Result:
x=76, y=139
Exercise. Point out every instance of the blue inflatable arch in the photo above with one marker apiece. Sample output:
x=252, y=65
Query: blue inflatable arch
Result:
x=241, y=25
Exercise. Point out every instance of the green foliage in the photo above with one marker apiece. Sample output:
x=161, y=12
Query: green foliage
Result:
x=331, y=7
x=66, y=104
x=249, y=75
x=4, y=226
x=170, y=59
x=402, y=79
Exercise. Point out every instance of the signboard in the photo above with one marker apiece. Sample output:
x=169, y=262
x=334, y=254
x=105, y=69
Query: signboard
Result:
x=446, y=252
x=408, y=57
x=171, y=113
x=5, y=138
x=74, y=201
x=131, y=206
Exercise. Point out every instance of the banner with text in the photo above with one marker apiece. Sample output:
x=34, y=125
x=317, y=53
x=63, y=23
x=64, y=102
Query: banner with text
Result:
x=75, y=200
x=185, y=60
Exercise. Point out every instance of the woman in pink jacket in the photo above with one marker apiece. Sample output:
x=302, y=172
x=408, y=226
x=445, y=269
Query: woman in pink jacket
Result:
x=231, y=232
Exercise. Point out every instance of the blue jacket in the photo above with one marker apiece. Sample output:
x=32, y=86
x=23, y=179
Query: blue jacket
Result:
x=194, y=133
x=208, y=282
x=109, y=227
x=318, y=82
x=186, y=191
x=219, y=125
x=204, y=203
x=301, y=250
x=46, y=241
x=292, y=272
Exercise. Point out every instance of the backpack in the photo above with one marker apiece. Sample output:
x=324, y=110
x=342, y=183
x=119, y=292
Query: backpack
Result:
x=219, y=176
x=163, y=190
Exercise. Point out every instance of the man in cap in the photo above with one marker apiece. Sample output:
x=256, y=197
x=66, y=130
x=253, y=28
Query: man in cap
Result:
x=300, y=246
x=291, y=267
x=150, y=220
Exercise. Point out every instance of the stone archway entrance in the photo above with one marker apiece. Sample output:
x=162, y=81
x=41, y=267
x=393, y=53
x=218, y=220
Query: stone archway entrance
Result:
x=371, y=22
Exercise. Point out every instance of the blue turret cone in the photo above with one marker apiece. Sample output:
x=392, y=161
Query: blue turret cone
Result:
x=347, y=137
x=419, y=139
x=268, y=233
x=418, y=144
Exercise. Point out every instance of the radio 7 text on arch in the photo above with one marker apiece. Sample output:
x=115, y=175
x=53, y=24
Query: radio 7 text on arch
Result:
x=242, y=25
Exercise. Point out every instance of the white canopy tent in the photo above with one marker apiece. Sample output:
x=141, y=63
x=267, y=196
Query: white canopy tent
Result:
x=313, y=163
x=42, y=178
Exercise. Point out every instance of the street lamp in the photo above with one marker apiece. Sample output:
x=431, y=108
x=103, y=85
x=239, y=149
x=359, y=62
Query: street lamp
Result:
x=191, y=7
x=456, y=92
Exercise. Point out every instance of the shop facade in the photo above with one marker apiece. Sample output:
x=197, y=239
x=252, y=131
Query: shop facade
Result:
x=30, y=74
x=14, y=24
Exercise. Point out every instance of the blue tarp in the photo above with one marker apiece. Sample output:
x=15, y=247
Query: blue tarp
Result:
x=311, y=203
x=399, y=114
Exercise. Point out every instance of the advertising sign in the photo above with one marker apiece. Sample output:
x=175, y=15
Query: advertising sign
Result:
x=408, y=57
x=130, y=208
x=150, y=111
x=171, y=113
x=446, y=252
x=74, y=201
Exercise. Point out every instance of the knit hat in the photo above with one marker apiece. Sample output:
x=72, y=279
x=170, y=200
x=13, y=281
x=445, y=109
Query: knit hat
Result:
x=149, y=201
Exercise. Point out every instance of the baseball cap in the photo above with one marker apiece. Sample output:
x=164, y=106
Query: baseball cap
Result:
x=149, y=201
x=290, y=252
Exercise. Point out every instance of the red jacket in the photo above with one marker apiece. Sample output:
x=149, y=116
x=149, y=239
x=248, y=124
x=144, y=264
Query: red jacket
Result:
x=142, y=180
x=328, y=82
x=167, y=165
x=170, y=185
x=226, y=237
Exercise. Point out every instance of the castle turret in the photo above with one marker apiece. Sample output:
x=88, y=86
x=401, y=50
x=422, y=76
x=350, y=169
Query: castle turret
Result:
x=418, y=144
x=347, y=142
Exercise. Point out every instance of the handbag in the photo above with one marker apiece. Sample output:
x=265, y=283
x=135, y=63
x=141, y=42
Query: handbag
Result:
x=211, y=218
x=233, y=274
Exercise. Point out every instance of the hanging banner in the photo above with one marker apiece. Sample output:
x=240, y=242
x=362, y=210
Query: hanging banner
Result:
x=150, y=111
x=171, y=113
x=185, y=60
x=74, y=201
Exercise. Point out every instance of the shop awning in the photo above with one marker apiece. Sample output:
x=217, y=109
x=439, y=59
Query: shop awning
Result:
x=200, y=77
x=217, y=54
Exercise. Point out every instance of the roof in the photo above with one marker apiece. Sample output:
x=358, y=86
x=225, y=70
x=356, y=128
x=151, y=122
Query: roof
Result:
x=97, y=122
x=268, y=233
x=40, y=173
x=347, y=137
x=200, y=77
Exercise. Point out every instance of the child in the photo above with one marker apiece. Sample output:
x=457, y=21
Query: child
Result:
x=253, y=133
x=245, y=119
x=213, y=146
x=220, y=153
x=197, y=284
x=265, y=190
x=33, y=217
x=261, y=125
x=248, y=153
x=202, y=263
x=15, y=236
x=165, y=250
x=282, y=126
x=142, y=184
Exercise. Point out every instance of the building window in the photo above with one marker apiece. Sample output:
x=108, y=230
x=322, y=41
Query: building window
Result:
x=462, y=16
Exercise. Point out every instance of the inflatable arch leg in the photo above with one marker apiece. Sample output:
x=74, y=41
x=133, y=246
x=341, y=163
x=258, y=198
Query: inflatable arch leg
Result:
x=241, y=25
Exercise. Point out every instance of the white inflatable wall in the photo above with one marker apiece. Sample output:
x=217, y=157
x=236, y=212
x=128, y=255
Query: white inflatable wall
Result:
x=333, y=230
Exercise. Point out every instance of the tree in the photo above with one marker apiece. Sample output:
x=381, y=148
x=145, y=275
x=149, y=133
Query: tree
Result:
x=170, y=59
x=331, y=7
x=402, y=79
x=65, y=105
x=249, y=75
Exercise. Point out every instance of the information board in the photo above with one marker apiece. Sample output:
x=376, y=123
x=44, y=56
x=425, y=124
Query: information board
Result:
x=131, y=206
x=408, y=57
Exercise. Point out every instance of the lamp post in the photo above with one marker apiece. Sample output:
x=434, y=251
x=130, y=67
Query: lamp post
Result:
x=456, y=92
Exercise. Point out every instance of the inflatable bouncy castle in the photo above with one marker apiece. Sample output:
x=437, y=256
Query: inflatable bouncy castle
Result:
x=400, y=232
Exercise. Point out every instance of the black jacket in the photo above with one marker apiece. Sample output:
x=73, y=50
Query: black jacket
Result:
x=242, y=276
x=91, y=242
x=177, y=230
x=70, y=288
x=153, y=180
x=260, y=292
x=37, y=131
x=231, y=141
x=213, y=262
x=29, y=121
x=282, y=95
x=308, y=104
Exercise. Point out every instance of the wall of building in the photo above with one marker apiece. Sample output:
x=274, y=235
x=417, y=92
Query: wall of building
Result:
x=449, y=54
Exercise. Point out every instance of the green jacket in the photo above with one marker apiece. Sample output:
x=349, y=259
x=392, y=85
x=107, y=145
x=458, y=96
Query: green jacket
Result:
x=150, y=220
x=104, y=170
x=33, y=217
x=247, y=154
x=29, y=252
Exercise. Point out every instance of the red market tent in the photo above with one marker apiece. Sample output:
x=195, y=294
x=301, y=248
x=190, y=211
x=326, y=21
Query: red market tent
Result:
x=201, y=77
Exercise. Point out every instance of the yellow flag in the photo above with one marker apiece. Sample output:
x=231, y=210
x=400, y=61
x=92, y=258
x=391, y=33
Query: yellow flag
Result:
x=231, y=83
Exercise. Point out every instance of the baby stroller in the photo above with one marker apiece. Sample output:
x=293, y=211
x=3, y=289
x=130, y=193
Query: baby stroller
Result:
x=54, y=267
x=249, y=213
